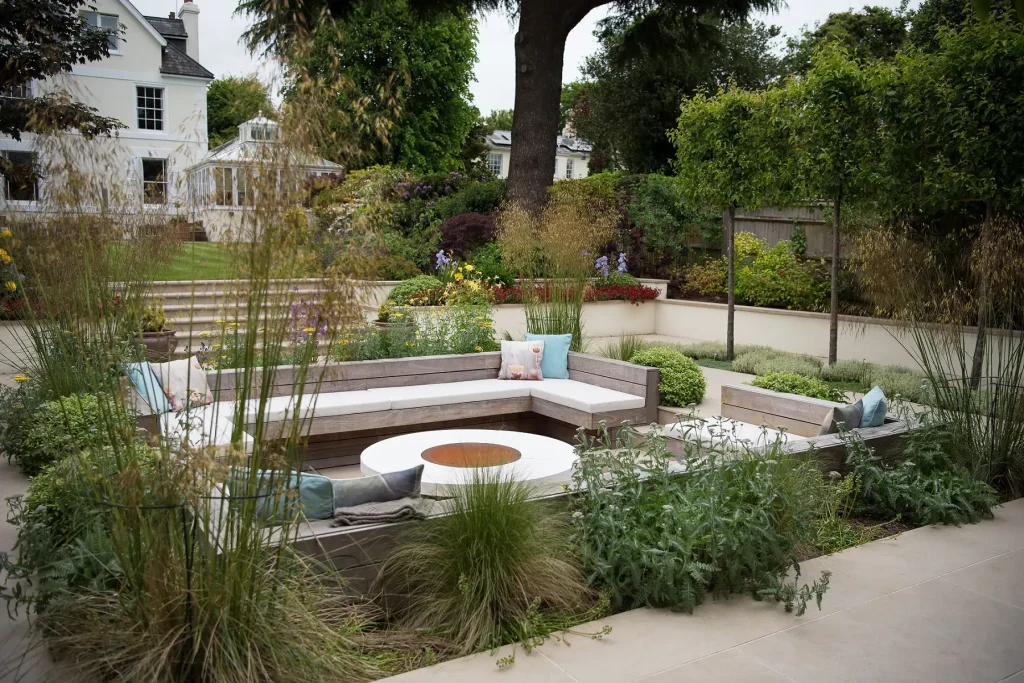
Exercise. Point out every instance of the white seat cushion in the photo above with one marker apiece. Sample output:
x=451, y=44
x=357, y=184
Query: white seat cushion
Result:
x=343, y=403
x=420, y=395
x=205, y=426
x=583, y=396
x=729, y=432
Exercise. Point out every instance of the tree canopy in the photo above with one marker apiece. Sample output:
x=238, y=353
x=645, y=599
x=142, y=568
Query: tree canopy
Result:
x=632, y=98
x=868, y=34
x=498, y=119
x=40, y=39
x=409, y=76
x=543, y=27
x=232, y=101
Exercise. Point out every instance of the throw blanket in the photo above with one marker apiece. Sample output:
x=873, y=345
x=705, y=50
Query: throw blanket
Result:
x=381, y=513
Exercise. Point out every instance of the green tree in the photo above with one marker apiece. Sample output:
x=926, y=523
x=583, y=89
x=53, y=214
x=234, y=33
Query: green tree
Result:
x=232, y=101
x=632, y=97
x=498, y=119
x=543, y=27
x=874, y=33
x=40, y=39
x=835, y=122
x=734, y=151
x=570, y=93
x=407, y=76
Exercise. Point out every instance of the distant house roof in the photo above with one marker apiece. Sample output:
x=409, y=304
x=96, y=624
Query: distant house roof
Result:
x=168, y=28
x=178, y=63
x=174, y=61
x=563, y=144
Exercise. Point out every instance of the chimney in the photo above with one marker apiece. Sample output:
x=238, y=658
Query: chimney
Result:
x=170, y=15
x=189, y=15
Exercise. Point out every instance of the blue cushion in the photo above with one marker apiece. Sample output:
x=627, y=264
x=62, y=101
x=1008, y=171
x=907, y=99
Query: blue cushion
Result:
x=875, y=408
x=316, y=493
x=555, y=363
x=141, y=375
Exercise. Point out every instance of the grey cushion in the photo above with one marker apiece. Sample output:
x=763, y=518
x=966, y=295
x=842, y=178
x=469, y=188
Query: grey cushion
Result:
x=378, y=488
x=842, y=418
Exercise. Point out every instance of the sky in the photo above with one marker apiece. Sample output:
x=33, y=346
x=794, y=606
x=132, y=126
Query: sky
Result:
x=220, y=49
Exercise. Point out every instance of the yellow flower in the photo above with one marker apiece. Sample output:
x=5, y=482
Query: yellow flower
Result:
x=477, y=348
x=469, y=267
x=5, y=233
x=220, y=322
x=20, y=378
x=4, y=256
x=308, y=330
x=458, y=276
x=11, y=286
x=397, y=315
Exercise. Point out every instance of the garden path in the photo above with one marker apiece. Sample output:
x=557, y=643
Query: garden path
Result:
x=933, y=604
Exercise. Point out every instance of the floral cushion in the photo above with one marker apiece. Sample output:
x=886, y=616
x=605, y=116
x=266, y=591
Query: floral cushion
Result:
x=184, y=383
x=521, y=360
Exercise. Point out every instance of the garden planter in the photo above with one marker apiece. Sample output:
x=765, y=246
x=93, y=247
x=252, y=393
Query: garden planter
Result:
x=159, y=345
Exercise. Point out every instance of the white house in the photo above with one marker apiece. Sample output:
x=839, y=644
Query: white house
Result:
x=225, y=182
x=572, y=156
x=153, y=83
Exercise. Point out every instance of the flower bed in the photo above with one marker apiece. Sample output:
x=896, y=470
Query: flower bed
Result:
x=635, y=294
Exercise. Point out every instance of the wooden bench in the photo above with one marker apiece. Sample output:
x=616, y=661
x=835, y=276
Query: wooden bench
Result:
x=802, y=416
x=338, y=439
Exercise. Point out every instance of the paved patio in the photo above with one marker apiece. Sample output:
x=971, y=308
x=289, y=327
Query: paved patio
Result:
x=934, y=604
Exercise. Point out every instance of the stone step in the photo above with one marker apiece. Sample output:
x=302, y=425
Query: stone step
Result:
x=168, y=287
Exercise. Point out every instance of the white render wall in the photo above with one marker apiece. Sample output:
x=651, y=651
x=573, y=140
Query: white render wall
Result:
x=109, y=86
x=580, y=169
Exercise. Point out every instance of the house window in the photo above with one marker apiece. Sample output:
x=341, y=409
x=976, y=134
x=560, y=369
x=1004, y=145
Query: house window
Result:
x=150, y=103
x=17, y=92
x=568, y=169
x=108, y=22
x=20, y=176
x=224, y=186
x=494, y=163
x=154, y=181
x=263, y=132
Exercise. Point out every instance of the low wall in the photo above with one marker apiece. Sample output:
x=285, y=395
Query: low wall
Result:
x=600, y=319
x=13, y=338
x=873, y=339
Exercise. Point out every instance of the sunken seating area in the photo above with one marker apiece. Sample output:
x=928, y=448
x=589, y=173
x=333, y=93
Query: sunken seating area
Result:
x=345, y=407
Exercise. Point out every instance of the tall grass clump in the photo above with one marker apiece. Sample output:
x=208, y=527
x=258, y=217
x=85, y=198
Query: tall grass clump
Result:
x=553, y=252
x=625, y=347
x=763, y=360
x=196, y=584
x=475, y=575
x=658, y=532
x=957, y=314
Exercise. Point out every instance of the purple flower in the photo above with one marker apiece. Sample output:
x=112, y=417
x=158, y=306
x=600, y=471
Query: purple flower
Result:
x=405, y=195
x=601, y=265
x=622, y=263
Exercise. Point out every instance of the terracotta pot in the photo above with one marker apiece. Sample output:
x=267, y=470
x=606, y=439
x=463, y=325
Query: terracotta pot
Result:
x=159, y=345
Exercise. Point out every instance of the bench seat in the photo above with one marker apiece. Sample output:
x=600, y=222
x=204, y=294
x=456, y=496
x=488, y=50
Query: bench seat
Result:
x=729, y=434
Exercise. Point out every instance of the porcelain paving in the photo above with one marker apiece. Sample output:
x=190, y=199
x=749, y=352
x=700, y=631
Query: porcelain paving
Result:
x=934, y=632
x=727, y=667
x=534, y=668
x=998, y=578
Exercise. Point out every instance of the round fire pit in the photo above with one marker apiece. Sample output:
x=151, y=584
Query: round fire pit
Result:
x=450, y=456
x=471, y=454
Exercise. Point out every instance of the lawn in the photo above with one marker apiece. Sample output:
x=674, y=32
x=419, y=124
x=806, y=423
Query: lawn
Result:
x=198, y=261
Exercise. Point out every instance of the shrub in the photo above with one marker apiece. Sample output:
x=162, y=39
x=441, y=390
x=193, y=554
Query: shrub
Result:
x=403, y=291
x=848, y=371
x=489, y=262
x=475, y=197
x=63, y=427
x=763, y=360
x=898, y=381
x=473, y=575
x=709, y=350
x=776, y=278
x=682, y=381
x=927, y=487
x=710, y=279
x=18, y=405
x=393, y=267
x=668, y=226
x=652, y=534
x=788, y=383
x=461, y=234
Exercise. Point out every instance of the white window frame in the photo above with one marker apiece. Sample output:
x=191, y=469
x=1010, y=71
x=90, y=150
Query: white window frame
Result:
x=141, y=91
x=491, y=156
x=569, y=165
x=5, y=191
x=165, y=182
x=219, y=188
x=95, y=19
x=18, y=92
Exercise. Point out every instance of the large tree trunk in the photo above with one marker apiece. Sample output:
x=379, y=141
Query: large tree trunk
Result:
x=833, y=325
x=540, y=48
x=977, y=364
x=730, y=245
